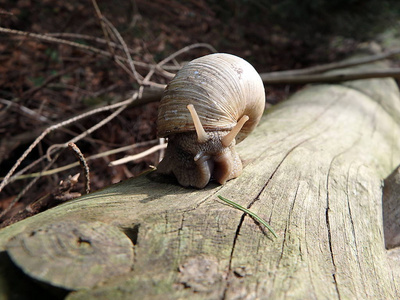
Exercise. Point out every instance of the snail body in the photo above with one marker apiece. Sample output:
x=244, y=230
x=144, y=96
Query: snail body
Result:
x=211, y=104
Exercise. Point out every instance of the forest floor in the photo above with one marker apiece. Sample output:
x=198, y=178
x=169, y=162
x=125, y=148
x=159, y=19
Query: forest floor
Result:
x=43, y=83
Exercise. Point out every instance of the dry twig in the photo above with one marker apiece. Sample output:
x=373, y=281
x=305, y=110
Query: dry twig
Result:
x=25, y=110
x=330, y=77
x=137, y=156
x=51, y=39
x=51, y=149
x=20, y=174
x=122, y=104
x=83, y=163
x=27, y=187
x=100, y=18
x=334, y=66
x=89, y=38
x=126, y=50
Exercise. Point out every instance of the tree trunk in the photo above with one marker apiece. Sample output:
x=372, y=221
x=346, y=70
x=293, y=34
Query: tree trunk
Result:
x=314, y=170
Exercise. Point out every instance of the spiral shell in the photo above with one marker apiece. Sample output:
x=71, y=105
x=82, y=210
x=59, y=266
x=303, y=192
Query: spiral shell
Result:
x=222, y=87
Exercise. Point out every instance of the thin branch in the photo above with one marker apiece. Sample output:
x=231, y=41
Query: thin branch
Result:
x=89, y=38
x=83, y=163
x=116, y=58
x=272, y=77
x=19, y=175
x=150, y=94
x=27, y=187
x=173, y=56
x=69, y=43
x=336, y=65
x=95, y=127
x=103, y=27
x=25, y=110
x=6, y=13
x=186, y=49
x=331, y=77
x=104, y=22
x=56, y=126
x=137, y=156
x=135, y=14
x=125, y=47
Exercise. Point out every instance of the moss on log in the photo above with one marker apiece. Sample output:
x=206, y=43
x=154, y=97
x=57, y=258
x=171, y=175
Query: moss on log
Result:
x=314, y=169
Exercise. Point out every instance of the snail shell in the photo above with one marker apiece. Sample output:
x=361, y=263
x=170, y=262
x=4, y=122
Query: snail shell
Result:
x=207, y=99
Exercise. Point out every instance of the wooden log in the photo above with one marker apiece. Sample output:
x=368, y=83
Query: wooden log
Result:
x=313, y=169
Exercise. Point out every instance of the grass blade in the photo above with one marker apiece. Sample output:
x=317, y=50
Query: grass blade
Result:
x=249, y=213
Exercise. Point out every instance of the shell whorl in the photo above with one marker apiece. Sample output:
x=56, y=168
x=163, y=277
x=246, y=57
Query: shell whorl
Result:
x=222, y=88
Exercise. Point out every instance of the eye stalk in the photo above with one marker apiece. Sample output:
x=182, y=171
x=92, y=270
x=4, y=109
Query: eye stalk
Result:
x=202, y=136
x=228, y=139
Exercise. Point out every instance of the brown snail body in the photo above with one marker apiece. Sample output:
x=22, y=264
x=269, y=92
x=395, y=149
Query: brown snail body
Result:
x=211, y=104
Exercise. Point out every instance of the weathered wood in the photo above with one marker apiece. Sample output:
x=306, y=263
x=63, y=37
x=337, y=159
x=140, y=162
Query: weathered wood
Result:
x=93, y=252
x=313, y=169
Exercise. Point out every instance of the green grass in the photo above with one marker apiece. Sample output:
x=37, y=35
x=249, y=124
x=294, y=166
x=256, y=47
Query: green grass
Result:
x=253, y=215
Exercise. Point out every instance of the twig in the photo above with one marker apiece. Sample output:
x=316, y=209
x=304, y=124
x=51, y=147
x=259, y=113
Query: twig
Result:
x=117, y=58
x=271, y=78
x=95, y=127
x=19, y=176
x=336, y=65
x=6, y=13
x=63, y=192
x=186, y=49
x=126, y=50
x=103, y=21
x=56, y=126
x=88, y=37
x=103, y=27
x=27, y=187
x=173, y=56
x=83, y=163
x=25, y=110
x=137, y=156
x=136, y=16
x=149, y=95
x=331, y=77
x=69, y=43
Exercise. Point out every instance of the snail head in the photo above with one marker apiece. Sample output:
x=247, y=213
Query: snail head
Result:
x=196, y=157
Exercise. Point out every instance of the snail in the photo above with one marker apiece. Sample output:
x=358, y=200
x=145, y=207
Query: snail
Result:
x=210, y=105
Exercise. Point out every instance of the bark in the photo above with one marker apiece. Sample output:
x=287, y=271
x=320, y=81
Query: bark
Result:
x=314, y=169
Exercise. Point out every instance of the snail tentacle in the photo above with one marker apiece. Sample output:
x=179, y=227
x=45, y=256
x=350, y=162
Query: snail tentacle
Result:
x=202, y=136
x=228, y=139
x=201, y=154
x=205, y=168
